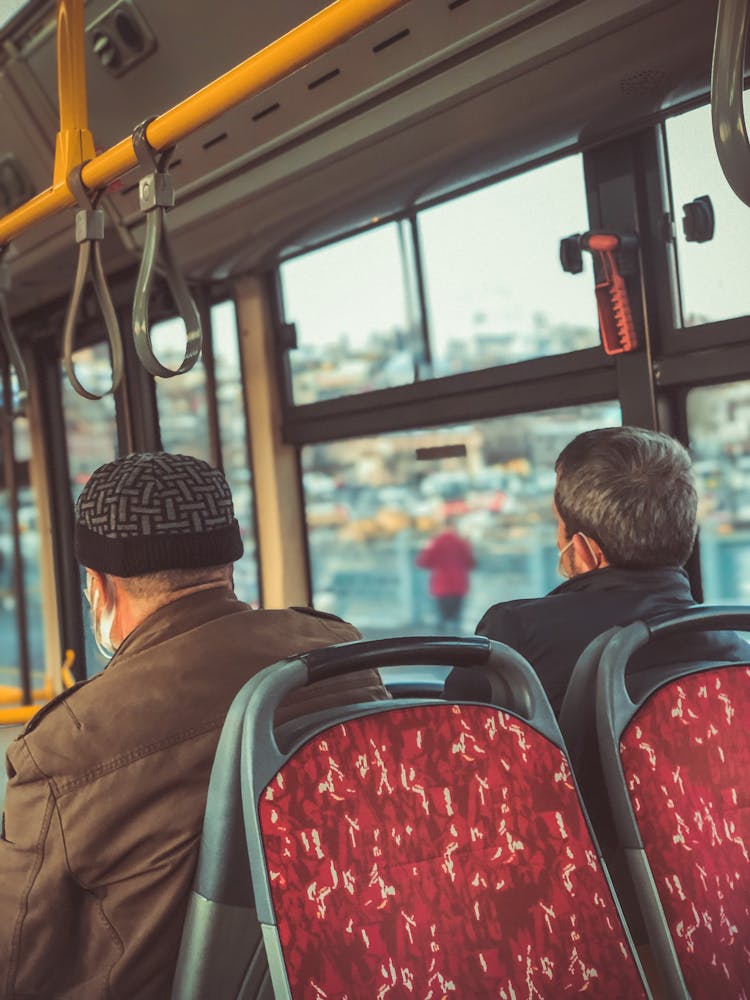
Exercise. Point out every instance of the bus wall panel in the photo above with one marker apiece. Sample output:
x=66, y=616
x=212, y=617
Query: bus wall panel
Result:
x=337, y=180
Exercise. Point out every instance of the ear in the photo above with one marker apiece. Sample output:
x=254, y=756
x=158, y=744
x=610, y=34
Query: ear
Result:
x=100, y=582
x=588, y=552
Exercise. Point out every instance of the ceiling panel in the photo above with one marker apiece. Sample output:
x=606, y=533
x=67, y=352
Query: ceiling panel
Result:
x=438, y=93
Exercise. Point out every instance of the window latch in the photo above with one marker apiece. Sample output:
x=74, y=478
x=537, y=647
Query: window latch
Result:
x=288, y=336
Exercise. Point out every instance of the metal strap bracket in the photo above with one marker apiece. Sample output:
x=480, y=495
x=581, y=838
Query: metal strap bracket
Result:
x=89, y=232
x=156, y=193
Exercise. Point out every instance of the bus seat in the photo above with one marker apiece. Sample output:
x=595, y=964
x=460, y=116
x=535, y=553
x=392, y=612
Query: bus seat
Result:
x=413, y=844
x=675, y=757
x=221, y=952
x=424, y=681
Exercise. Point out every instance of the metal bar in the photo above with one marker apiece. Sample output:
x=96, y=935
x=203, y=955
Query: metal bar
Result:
x=11, y=485
x=408, y=410
x=421, y=290
x=270, y=285
x=304, y=43
x=74, y=141
x=713, y=364
x=18, y=715
x=54, y=457
x=413, y=313
x=209, y=366
x=614, y=205
x=137, y=408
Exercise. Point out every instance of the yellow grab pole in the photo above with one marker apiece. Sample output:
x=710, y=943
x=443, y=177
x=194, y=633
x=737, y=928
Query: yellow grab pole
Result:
x=74, y=141
x=311, y=39
x=21, y=714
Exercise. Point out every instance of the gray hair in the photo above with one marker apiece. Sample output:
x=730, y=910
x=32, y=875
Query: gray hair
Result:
x=633, y=492
x=165, y=582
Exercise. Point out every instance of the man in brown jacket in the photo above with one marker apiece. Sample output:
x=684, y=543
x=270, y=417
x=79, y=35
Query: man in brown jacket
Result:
x=107, y=785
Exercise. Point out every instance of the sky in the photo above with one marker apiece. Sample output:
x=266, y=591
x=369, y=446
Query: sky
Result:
x=9, y=8
x=491, y=253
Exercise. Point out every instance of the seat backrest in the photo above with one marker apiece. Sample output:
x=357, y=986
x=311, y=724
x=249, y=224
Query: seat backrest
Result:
x=676, y=761
x=221, y=952
x=427, y=847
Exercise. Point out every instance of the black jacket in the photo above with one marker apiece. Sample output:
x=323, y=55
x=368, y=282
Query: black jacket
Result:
x=552, y=631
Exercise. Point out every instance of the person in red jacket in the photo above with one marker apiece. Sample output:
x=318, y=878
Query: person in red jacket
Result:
x=450, y=559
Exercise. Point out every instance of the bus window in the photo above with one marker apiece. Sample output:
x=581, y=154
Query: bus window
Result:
x=87, y=451
x=354, y=315
x=371, y=507
x=234, y=447
x=495, y=290
x=719, y=422
x=713, y=283
x=29, y=531
x=8, y=627
x=10, y=640
x=183, y=409
x=10, y=9
x=28, y=528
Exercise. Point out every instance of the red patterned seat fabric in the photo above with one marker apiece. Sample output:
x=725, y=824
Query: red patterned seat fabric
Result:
x=438, y=851
x=686, y=758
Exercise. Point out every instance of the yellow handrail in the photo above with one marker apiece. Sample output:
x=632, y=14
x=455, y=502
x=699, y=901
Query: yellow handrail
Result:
x=299, y=46
x=22, y=713
x=74, y=141
x=19, y=714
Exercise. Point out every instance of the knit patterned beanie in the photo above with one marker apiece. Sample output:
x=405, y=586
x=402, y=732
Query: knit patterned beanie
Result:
x=155, y=511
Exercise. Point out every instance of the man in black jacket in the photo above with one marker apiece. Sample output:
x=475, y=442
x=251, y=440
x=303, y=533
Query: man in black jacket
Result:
x=626, y=509
x=625, y=503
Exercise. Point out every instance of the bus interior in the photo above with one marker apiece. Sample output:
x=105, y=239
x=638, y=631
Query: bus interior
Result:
x=399, y=309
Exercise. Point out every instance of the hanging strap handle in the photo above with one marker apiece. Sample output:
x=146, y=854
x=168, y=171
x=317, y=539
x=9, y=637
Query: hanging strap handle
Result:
x=727, y=83
x=156, y=193
x=89, y=234
x=12, y=350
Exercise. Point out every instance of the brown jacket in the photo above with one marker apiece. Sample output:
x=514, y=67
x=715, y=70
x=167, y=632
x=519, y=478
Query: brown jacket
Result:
x=107, y=789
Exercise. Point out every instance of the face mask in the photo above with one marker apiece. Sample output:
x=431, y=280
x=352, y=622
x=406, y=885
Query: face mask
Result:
x=101, y=624
x=563, y=570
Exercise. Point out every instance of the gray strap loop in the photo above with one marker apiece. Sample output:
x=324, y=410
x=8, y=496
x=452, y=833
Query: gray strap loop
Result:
x=12, y=350
x=727, y=82
x=89, y=234
x=157, y=197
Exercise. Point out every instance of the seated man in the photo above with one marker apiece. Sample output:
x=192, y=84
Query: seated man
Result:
x=107, y=786
x=626, y=508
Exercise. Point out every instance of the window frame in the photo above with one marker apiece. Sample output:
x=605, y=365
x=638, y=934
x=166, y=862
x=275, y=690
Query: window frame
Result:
x=627, y=189
x=587, y=375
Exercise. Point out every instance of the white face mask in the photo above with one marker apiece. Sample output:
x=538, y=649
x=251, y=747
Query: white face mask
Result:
x=101, y=624
x=567, y=571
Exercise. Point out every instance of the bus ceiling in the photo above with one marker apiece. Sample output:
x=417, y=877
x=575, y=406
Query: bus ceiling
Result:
x=504, y=81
